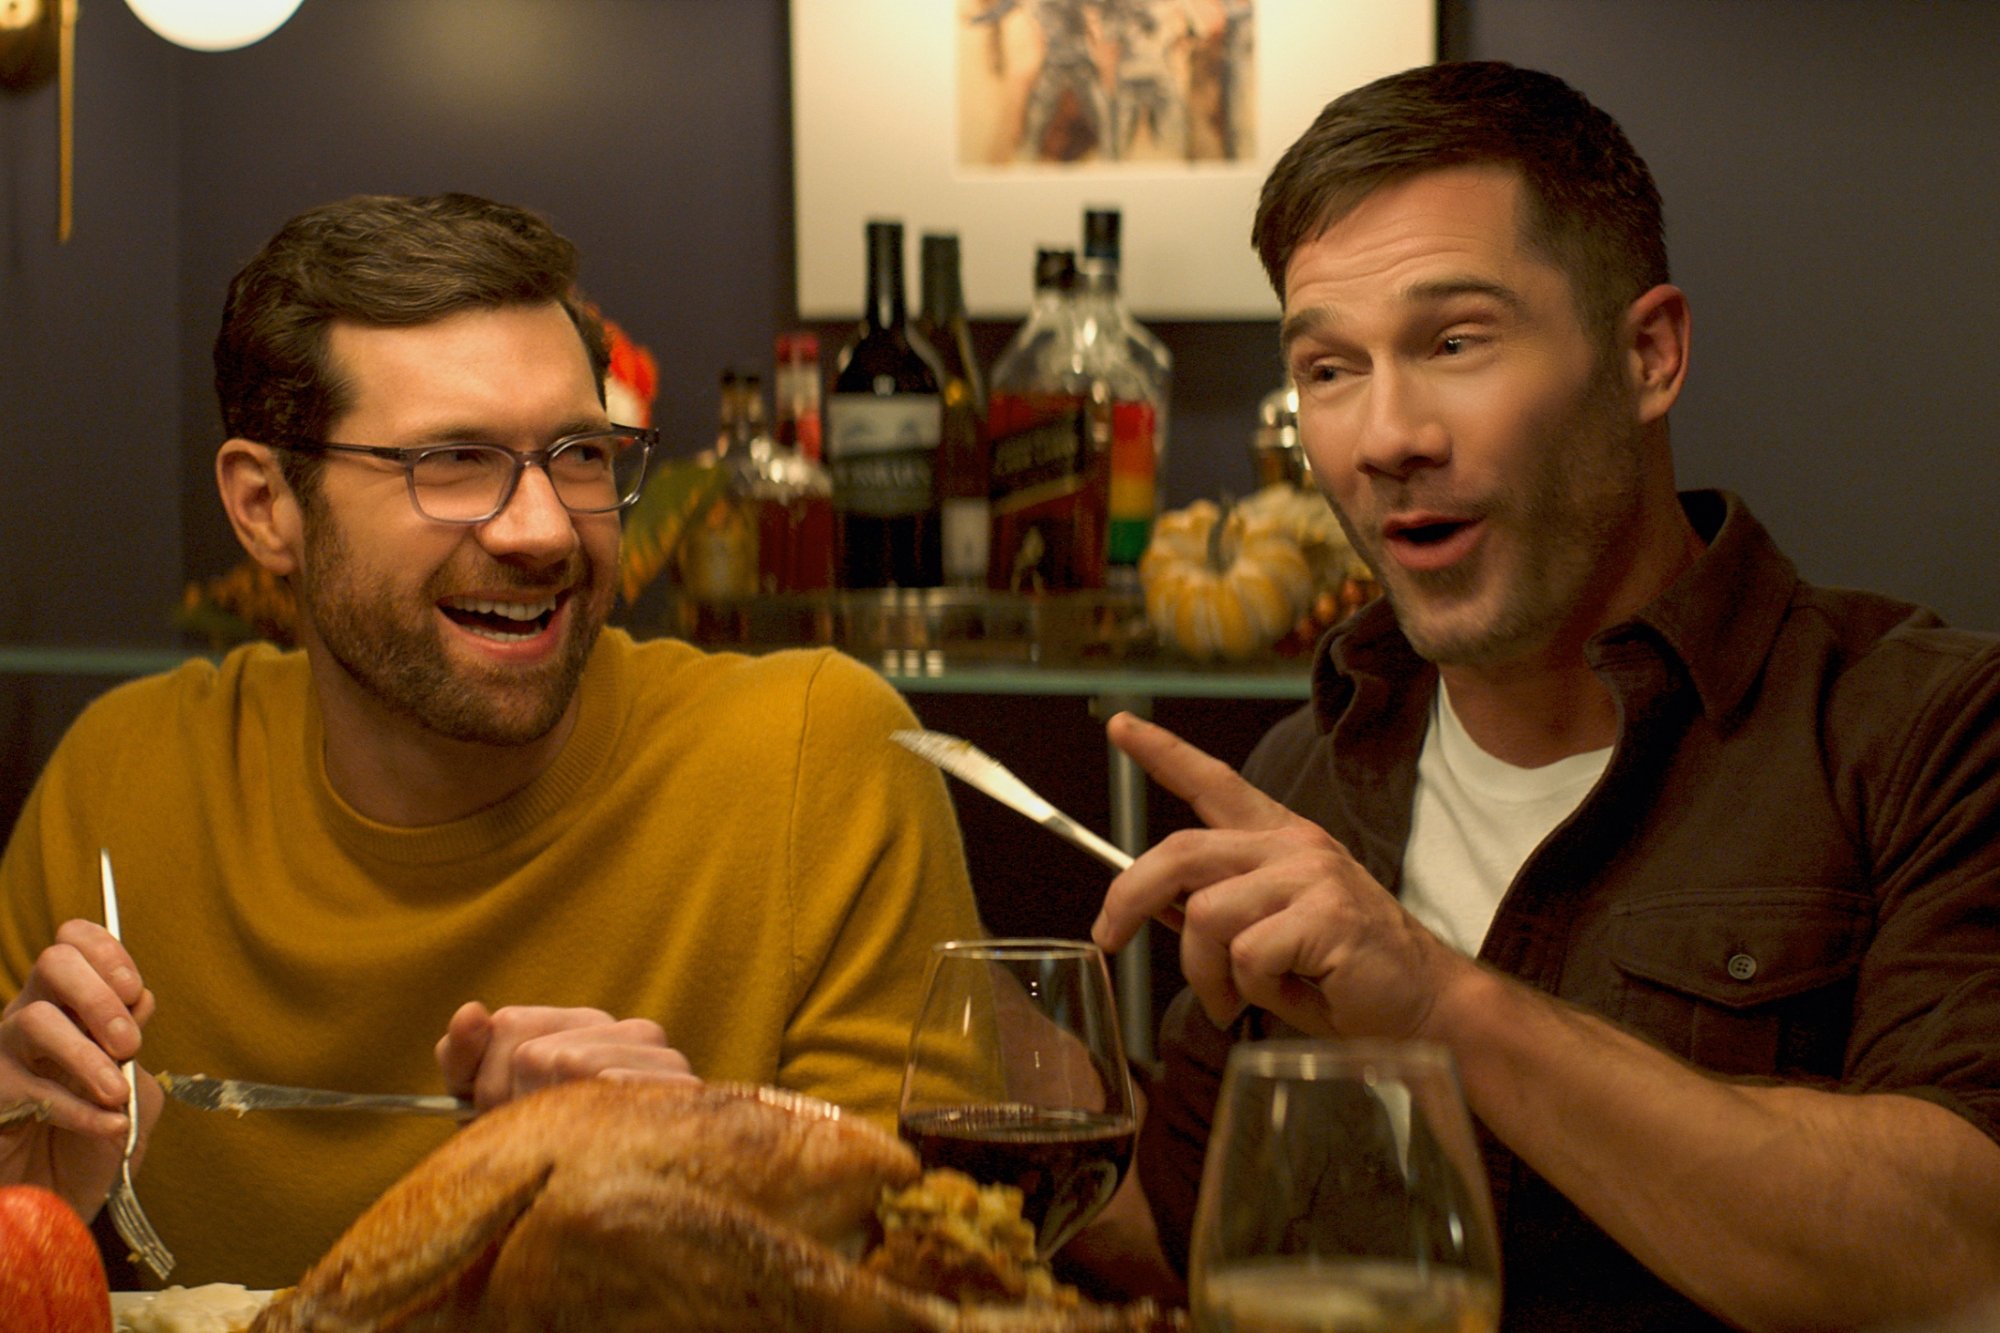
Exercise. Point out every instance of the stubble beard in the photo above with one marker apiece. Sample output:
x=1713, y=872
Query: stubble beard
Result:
x=392, y=648
x=1566, y=519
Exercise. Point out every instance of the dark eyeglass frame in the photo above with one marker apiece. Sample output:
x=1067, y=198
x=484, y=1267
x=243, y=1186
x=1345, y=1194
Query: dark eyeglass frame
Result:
x=645, y=438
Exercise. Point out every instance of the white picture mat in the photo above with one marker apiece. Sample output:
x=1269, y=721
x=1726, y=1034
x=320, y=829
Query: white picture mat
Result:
x=873, y=137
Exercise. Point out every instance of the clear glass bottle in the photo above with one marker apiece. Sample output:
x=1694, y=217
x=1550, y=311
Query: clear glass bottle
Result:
x=1136, y=368
x=884, y=418
x=791, y=497
x=1035, y=356
x=965, y=508
x=1048, y=444
x=717, y=556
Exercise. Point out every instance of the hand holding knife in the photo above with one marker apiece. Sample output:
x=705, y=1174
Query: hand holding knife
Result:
x=242, y=1096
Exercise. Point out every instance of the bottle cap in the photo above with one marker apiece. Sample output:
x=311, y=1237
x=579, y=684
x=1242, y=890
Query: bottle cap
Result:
x=1100, y=233
x=1054, y=268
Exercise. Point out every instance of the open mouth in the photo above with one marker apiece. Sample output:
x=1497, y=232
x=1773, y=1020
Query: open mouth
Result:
x=1427, y=534
x=1428, y=542
x=504, y=622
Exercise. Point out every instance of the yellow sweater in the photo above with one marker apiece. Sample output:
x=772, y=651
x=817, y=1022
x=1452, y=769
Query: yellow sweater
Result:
x=727, y=845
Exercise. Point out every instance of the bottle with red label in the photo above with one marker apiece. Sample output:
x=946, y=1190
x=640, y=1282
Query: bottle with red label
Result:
x=1048, y=442
x=795, y=392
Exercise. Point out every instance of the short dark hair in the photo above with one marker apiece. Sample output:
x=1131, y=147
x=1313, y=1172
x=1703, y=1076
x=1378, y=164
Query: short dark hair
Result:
x=1590, y=204
x=385, y=260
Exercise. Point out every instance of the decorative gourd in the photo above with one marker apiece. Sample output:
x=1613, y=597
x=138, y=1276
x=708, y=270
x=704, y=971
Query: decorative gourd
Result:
x=1304, y=514
x=1222, y=583
x=675, y=497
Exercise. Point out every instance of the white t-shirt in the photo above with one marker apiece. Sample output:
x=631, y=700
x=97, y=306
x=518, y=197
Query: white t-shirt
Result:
x=1476, y=820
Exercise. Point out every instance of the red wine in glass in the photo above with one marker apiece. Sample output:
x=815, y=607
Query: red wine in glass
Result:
x=1016, y=1076
x=1067, y=1164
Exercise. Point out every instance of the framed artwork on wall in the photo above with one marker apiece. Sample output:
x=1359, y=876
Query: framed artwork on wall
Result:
x=1002, y=120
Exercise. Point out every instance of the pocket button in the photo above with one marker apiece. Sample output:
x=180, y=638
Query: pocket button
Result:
x=1742, y=966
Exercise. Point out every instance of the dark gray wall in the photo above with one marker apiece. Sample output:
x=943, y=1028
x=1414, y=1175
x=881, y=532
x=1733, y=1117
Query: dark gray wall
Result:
x=90, y=432
x=1829, y=171
x=90, y=429
x=1832, y=180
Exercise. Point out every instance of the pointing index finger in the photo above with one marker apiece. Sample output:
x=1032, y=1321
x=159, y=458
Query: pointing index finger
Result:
x=1218, y=794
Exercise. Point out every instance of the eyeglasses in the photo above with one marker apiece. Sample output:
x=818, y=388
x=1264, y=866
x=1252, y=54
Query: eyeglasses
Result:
x=595, y=472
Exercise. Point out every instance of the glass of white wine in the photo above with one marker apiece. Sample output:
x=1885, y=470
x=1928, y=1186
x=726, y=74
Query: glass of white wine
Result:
x=1343, y=1192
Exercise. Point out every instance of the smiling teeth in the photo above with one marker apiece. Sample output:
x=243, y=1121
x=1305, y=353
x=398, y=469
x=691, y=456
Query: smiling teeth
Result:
x=506, y=610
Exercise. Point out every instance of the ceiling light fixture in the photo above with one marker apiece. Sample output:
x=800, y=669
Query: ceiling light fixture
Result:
x=213, y=25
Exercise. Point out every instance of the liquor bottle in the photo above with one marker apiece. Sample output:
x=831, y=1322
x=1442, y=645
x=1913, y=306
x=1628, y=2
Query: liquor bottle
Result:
x=717, y=556
x=965, y=509
x=1037, y=355
x=1137, y=369
x=791, y=497
x=795, y=393
x=1047, y=431
x=884, y=418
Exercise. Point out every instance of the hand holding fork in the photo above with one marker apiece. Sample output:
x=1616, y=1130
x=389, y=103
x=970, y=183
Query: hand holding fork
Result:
x=58, y=1081
x=126, y=1215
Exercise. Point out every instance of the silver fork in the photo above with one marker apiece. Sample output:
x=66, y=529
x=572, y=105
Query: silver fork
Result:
x=126, y=1215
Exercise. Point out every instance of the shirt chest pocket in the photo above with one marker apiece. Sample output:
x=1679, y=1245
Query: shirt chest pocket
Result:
x=1756, y=982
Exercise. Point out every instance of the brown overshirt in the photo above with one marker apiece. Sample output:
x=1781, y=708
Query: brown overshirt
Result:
x=1789, y=870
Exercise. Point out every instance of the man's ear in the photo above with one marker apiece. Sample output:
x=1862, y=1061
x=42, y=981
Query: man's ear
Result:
x=1656, y=332
x=261, y=507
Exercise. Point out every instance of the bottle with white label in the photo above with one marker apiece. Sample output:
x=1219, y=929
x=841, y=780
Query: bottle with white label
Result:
x=884, y=419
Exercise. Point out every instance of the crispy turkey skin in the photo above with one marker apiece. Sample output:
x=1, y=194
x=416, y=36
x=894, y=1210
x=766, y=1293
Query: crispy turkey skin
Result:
x=607, y=1206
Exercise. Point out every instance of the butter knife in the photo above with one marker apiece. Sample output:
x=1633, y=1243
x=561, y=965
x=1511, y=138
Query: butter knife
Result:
x=968, y=763
x=241, y=1095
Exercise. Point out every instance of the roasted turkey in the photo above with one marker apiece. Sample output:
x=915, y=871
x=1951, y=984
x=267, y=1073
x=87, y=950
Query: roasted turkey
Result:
x=604, y=1206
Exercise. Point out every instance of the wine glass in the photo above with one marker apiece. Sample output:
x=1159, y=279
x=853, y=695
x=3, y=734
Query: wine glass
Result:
x=1016, y=1076
x=1343, y=1190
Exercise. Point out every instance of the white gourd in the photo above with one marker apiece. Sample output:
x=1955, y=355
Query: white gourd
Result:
x=1224, y=584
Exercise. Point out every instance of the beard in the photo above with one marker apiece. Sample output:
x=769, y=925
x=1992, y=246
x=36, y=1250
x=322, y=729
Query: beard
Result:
x=1566, y=516
x=388, y=641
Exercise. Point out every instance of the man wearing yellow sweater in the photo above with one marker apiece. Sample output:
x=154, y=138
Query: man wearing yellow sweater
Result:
x=466, y=839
